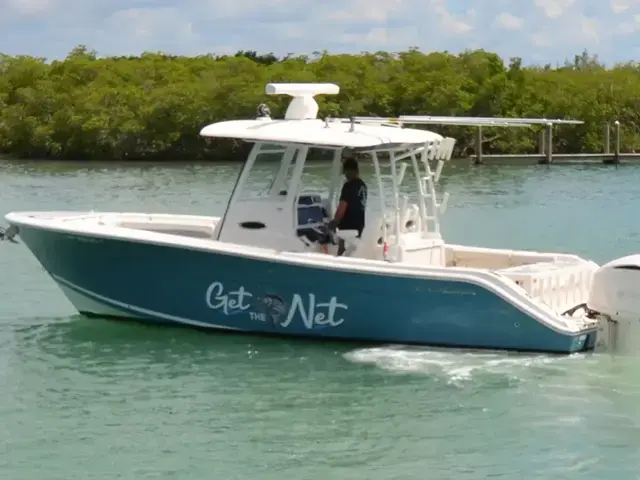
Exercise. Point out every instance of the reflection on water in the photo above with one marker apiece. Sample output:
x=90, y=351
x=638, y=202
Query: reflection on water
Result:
x=80, y=342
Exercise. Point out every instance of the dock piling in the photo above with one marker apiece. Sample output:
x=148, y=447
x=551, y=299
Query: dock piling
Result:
x=549, y=139
x=541, y=141
x=479, y=145
x=616, y=157
x=607, y=138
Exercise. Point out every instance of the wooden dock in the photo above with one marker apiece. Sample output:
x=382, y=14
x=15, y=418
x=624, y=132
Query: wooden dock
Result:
x=560, y=159
x=545, y=155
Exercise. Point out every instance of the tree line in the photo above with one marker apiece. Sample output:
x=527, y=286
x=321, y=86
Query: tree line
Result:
x=152, y=106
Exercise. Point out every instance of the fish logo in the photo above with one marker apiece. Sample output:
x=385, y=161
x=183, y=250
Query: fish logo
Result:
x=274, y=307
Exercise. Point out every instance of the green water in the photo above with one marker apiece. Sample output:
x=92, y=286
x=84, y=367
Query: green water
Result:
x=92, y=399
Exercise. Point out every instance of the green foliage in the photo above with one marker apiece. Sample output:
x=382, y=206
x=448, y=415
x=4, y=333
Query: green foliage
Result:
x=154, y=105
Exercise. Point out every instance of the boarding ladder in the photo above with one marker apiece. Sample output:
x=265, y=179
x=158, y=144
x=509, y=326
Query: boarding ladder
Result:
x=439, y=152
x=395, y=204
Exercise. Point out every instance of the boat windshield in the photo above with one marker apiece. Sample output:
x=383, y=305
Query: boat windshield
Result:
x=274, y=171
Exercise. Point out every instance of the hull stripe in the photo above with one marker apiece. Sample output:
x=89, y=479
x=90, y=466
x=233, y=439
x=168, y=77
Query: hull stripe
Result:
x=138, y=310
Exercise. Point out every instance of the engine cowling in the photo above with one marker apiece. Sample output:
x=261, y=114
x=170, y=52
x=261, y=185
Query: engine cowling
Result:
x=615, y=294
x=615, y=289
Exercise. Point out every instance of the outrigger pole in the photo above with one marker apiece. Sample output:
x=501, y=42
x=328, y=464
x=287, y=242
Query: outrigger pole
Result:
x=478, y=122
x=463, y=121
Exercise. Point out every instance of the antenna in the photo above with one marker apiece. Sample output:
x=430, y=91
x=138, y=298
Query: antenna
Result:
x=303, y=106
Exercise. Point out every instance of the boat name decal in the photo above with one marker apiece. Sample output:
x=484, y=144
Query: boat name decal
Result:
x=314, y=314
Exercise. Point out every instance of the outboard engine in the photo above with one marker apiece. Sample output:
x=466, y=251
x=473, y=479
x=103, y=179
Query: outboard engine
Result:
x=615, y=298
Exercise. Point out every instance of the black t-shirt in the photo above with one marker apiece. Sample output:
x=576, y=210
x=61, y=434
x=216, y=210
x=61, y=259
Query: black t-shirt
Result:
x=354, y=192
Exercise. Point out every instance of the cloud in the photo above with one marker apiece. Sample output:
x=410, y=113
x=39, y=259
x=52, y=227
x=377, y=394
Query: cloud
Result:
x=629, y=26
x=554, y=8
x=29, y=7
x=619, y=6
x=540, y=40
x=449, y=21
x=589, y=29
x=507, y=21
x=140, y=29
x=360, y=11
x=542, y=31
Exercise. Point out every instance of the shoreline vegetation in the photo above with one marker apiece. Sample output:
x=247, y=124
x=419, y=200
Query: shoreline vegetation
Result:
x=152, y=106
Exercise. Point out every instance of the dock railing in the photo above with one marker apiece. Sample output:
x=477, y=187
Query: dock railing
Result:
x=546, y=155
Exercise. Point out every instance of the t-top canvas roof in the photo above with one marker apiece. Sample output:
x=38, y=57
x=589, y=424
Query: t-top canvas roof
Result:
x=330, y=134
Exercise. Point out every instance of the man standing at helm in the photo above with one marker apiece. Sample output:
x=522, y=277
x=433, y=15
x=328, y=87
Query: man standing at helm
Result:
x=350, y=214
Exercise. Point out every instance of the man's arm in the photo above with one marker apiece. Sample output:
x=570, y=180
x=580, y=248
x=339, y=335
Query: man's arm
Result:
x=340, y=211
x=342, y=206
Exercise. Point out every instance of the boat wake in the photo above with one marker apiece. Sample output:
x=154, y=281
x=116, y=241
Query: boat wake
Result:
x=458, y=367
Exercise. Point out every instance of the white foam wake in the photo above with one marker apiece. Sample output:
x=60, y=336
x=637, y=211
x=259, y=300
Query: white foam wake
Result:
x=455, y=365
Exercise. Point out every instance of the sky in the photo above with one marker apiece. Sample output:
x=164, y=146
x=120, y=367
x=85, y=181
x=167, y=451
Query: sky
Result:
x=539, y=31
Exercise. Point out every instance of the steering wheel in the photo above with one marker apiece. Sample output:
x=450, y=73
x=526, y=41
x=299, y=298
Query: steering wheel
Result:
x=321, y=235
x=327, y=234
